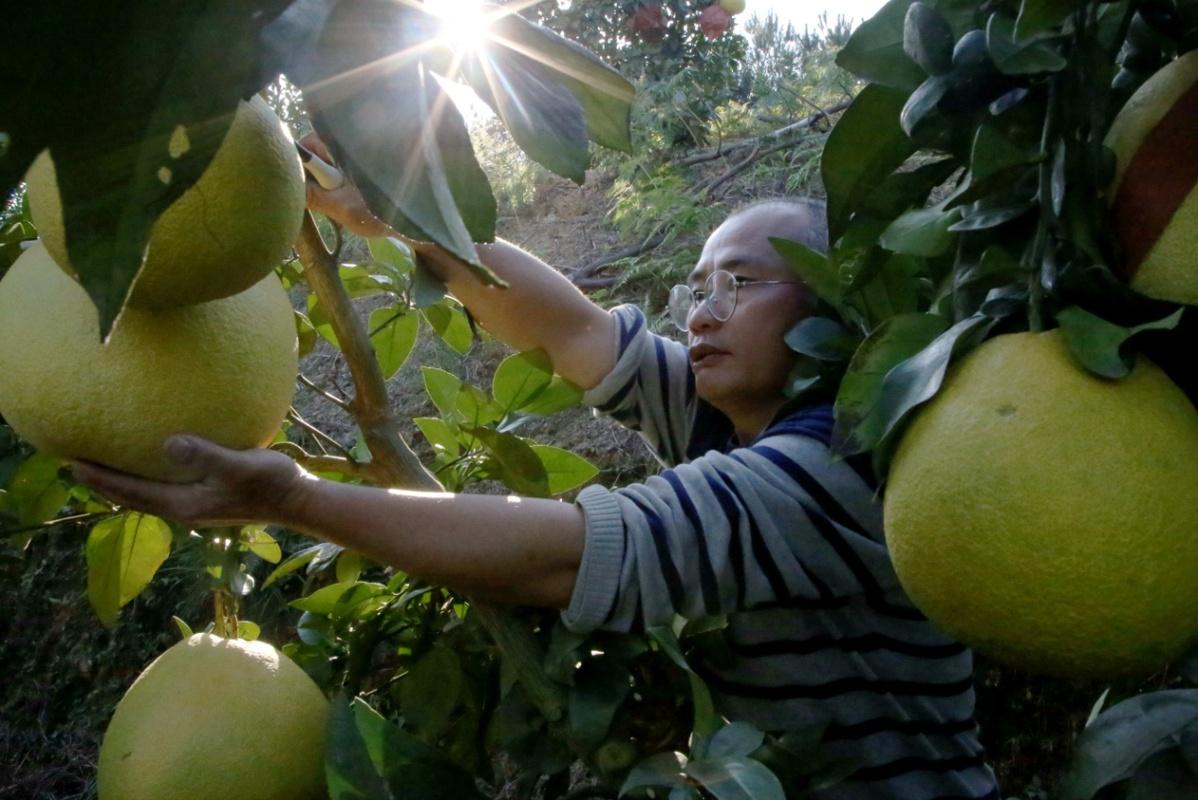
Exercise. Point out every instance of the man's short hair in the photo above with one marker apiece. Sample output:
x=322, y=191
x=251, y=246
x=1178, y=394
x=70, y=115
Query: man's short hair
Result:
x=814, y=234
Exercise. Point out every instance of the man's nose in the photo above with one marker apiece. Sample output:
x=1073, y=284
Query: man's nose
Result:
x=701, y=318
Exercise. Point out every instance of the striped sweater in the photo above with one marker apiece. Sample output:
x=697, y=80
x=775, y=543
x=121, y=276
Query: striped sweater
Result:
x=788, y=542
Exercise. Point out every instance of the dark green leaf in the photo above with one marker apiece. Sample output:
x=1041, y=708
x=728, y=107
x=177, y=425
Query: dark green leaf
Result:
x=393, y=332
x=324, y=599
x=520, y=379
x=600, y=686
x=1038, y=16
x=605, y=96
x=922, y=232
x=293, y=563
x=736, y=779
x=821, y=338
x=917, y=379
x=563, y=469
x=906, y=188
x=1112, y=747
x=985, y=219
x=875, y=50
x=1164, y=776
x=1028, y=57
x=734, y=740
x=859, y=425
x=812, y=267
x=517, y=464
x=139, y=77
x=1099, y=344
x=994, y=153
x=866, y=145
x=394, y=131
x=920, y=117
x=353, y=745
x=430, y=691
x=928, y=38
x=662, y=769
x=123, y=553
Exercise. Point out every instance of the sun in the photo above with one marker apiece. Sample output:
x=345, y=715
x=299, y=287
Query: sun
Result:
x=465, y=24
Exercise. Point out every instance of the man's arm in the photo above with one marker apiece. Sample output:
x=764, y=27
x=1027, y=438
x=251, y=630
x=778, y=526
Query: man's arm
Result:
x=539, y=309
x=513, y=550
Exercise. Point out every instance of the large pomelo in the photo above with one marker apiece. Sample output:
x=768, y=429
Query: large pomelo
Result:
x=1047, y=517
x=216, y=719
x=1155, y=191
x=224, y=370
x=224, y=234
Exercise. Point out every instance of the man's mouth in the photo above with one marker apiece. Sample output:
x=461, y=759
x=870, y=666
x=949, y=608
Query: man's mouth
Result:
x=702, y=355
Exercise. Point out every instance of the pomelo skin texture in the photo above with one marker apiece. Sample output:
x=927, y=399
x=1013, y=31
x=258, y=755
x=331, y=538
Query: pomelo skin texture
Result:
x=733, y=7
x=224, y=370
x=216, y=719
x=1047, y=517
x=224, y=234
x=1155, y=191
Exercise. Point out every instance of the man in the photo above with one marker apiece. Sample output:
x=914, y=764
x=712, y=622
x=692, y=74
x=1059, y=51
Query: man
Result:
x=756, y=519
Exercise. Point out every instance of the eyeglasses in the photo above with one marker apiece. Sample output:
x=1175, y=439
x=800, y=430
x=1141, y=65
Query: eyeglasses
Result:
x=718, y=292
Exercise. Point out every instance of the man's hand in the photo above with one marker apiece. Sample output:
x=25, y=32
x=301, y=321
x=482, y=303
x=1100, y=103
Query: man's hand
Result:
x=234, y=487
x=344, y=205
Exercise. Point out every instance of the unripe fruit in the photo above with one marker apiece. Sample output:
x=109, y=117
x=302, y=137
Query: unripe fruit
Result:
x=733, y=7
x=224, y=234
x=714, y=21
x=1154, y=196
x=224, y=370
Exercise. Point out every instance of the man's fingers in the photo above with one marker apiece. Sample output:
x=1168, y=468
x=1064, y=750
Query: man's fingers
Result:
x=317, y=146
x=124, y=489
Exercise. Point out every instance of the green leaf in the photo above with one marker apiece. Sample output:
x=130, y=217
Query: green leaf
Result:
x=866, y=145
x=321, y=321
x=184, y=629
x=559, y=395
x=123, y=553
x=450, y=322
x=306, y=333
x=821, y=338
x=1099, y=344
x=430, y=691
x=736, y=779
x=916, y=380
x=920, y=117
x=875, y=50
x=355, y=740
x=394, y=131
x=1121, y=739
x=707, y=721
x=36, y=491
x=605, y=96
x=359, y=281
x=859, y=423
x=393, y=254
x=1037, y=16
x=600, y=686
x=1028, y=57
x=443, y=389
x=928, y=38
x=812, y=267
x=514, y=462
x=293, y=563
x=256, y=539
x=440, y=435
x=520, y=379
x=249, y=631
x=324, y=599
x=734, y=740
x=662, y=769
x=393, y=332
x=349, y=566
x=922, y=232
x=564, y=470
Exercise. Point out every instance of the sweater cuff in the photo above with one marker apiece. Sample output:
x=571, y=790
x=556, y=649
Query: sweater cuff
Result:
x=602, y=558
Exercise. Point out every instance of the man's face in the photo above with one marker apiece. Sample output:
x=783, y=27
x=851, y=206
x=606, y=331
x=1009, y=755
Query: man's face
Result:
x=741, y=364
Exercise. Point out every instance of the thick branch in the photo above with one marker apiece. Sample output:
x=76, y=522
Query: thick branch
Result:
x=370, y=406
x=584, y=271
x=754, y=141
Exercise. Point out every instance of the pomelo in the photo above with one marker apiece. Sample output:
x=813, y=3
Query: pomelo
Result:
x=216, y=719
x=1154, y=194
x=224, y=370
x=733, y=7
x=1047, y=517
x=224, y=234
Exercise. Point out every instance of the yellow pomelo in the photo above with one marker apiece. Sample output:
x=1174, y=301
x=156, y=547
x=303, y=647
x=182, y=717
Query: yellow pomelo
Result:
x=1155, y=191
x=216, y=719
x=224, y=370
x=1048, y=518
x=733, y=7
x=224, y=234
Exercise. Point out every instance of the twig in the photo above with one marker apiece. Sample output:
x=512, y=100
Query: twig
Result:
x=320, y=436
x=93, y=515
x=306, y=381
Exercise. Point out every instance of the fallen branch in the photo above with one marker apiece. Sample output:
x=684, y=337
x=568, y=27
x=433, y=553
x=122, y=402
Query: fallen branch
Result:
x=588, y=269
x=755, y=141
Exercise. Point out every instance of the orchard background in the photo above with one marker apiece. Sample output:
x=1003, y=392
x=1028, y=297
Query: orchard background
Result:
x=511, y=700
